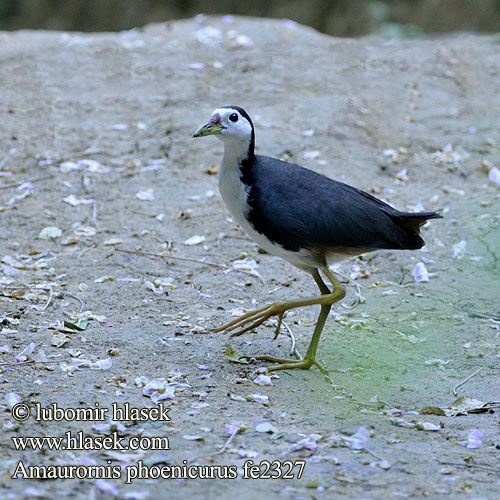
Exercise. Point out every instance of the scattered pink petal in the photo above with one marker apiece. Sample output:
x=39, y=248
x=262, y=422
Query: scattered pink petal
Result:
x=12, y=399
x=209, y=35
x=474, y=439
x=237, y=397
x=102, y=279
x=40, y=356
x=194, y=240
x=428, y=426
x=401, y=422
x=420, y=273
x=68, y=166
x=258, y=398
x=50, y=233
x=93, y=166
x=199, y=406
x=358, y=272
x=25, y=354
x=198, y=66
x=78, y=362
x=194, y=437
x=244, y=41
x=262, y=380
x=459, y=249
x=169, y=393
x=151, y=286
x=359, y=439
x=232, y=428
x=102, y=364
x=311, y=155
x=396, y=411
x=141, y=381
x=402, y=175
x=247, y=264
x=26, y=185
x=159, y=390
x=146, y=195
x=155, y=385
x=120, y=126
x=266, y=428
x=25, y=194
x=494, y=176
x=74, y=201
x=308, y=443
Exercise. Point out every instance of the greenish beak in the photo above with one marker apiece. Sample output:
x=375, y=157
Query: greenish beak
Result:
x=208, y=129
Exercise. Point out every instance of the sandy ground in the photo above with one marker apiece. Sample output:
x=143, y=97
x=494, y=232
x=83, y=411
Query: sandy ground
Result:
x=95, y=140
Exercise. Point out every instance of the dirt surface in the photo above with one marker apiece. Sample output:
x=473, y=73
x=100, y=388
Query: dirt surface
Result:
x=107, y=120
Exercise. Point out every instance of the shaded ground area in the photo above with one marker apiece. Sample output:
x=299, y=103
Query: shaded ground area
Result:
x=346, y=18
x=96, y=141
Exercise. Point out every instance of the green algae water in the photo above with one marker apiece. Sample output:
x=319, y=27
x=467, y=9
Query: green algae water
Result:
x=416, y=341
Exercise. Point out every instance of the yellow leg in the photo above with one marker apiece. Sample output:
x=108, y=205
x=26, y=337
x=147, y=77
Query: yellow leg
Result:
x=257, y=317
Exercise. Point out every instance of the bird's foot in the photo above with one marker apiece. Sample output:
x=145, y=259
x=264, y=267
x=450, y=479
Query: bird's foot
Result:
x=289, y=364
x=255, y=318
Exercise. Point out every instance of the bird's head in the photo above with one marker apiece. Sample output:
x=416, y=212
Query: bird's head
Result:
x=232, y=125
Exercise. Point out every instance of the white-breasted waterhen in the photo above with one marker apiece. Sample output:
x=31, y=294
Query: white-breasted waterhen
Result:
x=302, y=216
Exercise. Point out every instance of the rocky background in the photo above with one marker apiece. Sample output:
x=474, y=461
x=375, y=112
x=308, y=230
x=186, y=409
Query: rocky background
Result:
x=339, y=18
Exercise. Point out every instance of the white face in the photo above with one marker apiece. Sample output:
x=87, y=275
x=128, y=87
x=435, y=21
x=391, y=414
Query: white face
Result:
x=234, y=126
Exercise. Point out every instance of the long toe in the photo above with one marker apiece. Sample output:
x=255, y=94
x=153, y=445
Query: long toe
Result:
x=291, y=365
x=304, y=364
x=240, y=320
x=255, y=317
x=288, y=364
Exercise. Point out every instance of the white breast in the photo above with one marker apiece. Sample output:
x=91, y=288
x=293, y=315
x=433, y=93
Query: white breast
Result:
x=234, y=194
x=233, y=191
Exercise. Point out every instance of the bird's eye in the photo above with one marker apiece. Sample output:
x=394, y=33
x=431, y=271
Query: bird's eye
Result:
x=233, y=117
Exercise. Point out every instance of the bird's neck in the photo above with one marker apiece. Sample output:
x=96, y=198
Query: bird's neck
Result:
x=238, y=153
x=235, y=168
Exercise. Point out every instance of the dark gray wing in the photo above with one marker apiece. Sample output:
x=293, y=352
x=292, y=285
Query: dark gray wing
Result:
x=298, y=208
